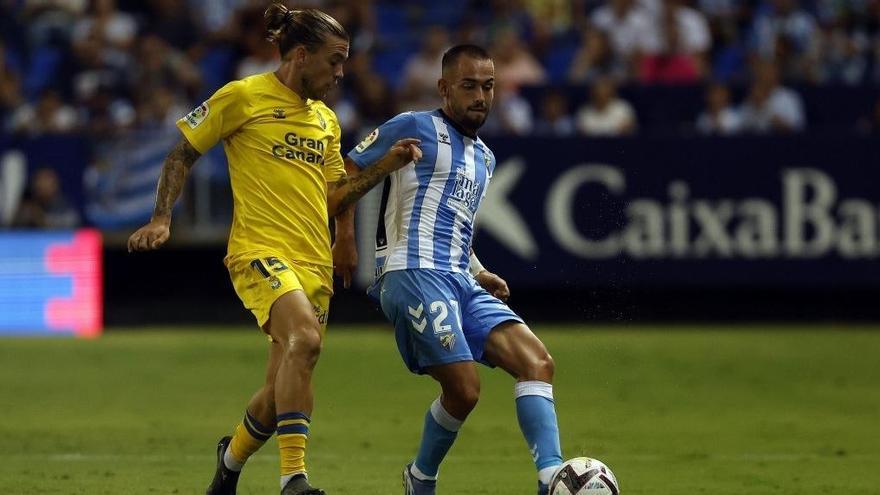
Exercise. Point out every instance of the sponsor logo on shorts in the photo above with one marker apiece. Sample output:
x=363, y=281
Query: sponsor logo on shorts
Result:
x=320, y=314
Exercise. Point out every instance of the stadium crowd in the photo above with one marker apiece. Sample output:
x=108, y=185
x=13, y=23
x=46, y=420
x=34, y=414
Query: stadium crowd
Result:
x=117, y=74
x=102, y=67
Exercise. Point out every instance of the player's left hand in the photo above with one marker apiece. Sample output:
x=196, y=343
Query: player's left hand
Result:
x=493, y=284
x=345, y=259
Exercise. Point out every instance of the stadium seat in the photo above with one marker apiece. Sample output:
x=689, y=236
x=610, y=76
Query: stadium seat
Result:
x=44, y=63
x=447, y=13
x=216, y=67
x=391, y=19
x=558, y=60
x=389, y=62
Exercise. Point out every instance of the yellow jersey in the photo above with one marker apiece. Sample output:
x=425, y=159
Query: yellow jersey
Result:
x=282, y=151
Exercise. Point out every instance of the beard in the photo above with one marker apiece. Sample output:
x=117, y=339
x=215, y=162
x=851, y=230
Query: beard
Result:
x=475, y=122
x=311, y=91
x=472, y=120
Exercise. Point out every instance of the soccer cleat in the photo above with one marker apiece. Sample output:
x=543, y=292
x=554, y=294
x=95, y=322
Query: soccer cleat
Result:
x=543, y=489
x=299, y=485
x=225, y=479
x=415, y=486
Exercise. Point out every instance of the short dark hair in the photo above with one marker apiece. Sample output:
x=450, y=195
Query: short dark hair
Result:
x=308, y=27
x=453, y=54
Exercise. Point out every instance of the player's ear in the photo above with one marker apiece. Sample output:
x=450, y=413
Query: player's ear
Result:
x=443, y=87
x=299, y=55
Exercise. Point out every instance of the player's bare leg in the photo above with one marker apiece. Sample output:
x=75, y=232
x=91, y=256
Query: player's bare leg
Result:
x=259, y=422
x=514, y=348
x=255, y=429
x=292, y=323
x=460, y=384
x=262, y=403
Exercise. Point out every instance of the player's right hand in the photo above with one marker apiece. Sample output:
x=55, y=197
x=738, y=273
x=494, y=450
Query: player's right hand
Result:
x=406, y=151
x=345, y=258
x=493, y=284
x=150, y=236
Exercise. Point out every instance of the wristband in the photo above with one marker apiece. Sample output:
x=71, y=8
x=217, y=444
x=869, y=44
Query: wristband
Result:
x=475, y=266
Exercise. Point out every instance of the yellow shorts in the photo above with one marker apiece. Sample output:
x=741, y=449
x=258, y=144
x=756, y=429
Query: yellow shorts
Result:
x=260, y=280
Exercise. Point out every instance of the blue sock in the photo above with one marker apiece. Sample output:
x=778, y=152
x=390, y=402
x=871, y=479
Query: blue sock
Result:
x=537, y=420
x=439, y=434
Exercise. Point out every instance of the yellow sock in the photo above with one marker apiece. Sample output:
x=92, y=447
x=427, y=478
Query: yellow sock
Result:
x=293, y=434
x=249, y=436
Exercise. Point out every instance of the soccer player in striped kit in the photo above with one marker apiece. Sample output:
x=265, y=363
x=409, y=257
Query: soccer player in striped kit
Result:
x=448, y=311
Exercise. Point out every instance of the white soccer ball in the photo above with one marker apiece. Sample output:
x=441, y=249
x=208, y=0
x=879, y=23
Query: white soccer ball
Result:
x=584, y=476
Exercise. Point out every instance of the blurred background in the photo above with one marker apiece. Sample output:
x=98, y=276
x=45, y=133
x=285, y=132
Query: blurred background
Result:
x=658, y=159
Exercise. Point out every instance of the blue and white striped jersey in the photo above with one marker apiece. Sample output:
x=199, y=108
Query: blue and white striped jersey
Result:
x=427, y=210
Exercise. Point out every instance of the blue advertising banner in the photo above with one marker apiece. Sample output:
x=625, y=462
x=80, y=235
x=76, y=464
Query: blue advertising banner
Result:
x=794, y=212
x=51, y=283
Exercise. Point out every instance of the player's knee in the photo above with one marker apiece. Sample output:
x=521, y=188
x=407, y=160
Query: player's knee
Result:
x=541, y=368
x=547, y=367
x=304, y=344
x=470, y=398
x=310, y=342
x=466, y=395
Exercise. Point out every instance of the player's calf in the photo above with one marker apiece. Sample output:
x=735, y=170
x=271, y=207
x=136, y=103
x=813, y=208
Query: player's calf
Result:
x=536, y=414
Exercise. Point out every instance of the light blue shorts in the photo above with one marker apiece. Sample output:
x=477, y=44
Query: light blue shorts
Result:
x=440, y=317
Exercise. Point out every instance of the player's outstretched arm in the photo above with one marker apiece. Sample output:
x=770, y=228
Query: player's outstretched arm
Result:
x=345, y=255
x=174, y=172
x=348, y=191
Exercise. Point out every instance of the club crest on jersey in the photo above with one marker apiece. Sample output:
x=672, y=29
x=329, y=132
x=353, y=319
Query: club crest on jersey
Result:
x=370, y=139
x=197, y=116
x=274, y=283
x=278, y=113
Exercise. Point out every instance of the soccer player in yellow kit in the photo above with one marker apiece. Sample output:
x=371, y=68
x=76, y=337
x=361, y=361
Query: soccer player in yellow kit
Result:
x=287, y=175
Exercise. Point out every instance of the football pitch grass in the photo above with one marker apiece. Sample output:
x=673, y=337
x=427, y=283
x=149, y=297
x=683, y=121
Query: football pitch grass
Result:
x=673, y=410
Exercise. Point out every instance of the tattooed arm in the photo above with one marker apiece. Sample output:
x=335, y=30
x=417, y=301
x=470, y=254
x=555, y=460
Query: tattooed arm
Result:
x=174, y=172
x=345, y=256
x=348, y=190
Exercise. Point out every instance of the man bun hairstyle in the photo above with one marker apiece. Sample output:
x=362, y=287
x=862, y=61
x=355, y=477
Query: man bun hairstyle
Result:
x=308, y=27
x=453, y=54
